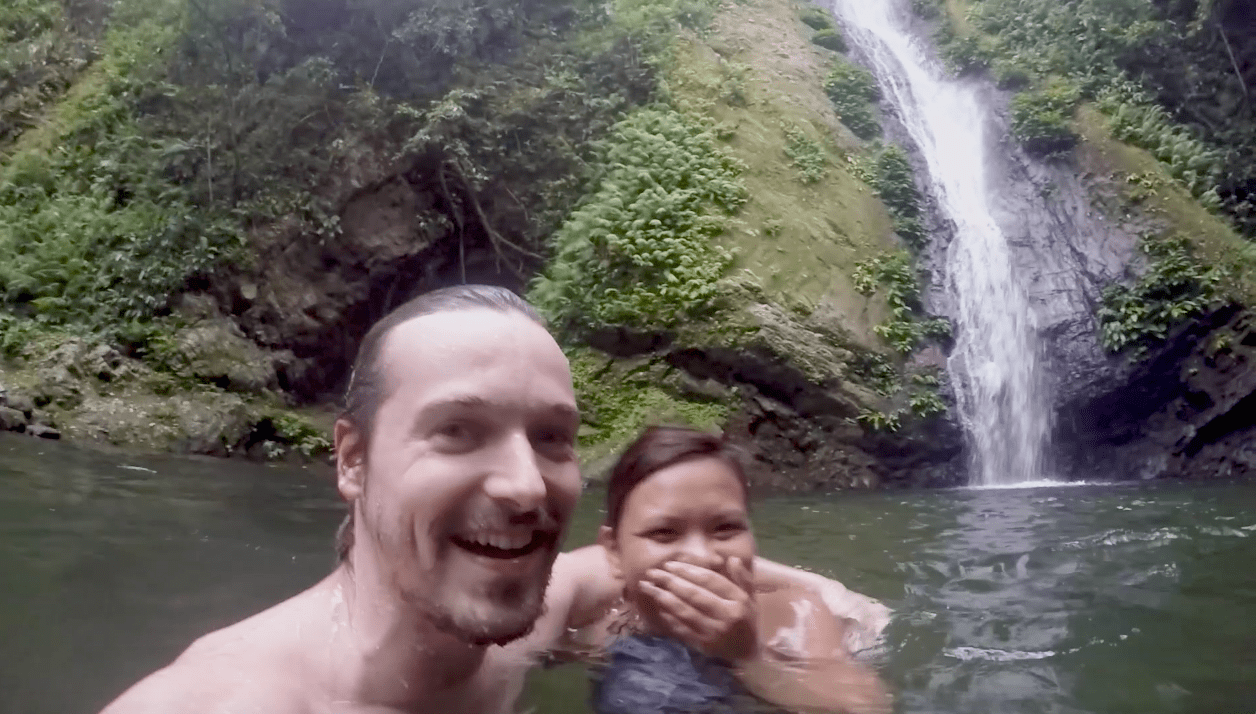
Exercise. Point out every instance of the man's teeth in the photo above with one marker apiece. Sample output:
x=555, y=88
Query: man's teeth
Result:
x=501, y=541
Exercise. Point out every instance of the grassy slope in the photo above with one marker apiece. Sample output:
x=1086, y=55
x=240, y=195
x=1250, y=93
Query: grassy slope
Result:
x=1102, y=155
x=801, y=240
x=1215, y=241
x=756, y=74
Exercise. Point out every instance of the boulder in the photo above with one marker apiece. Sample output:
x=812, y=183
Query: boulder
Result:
x=43, y=431
x=12, y=419
x=217, y=351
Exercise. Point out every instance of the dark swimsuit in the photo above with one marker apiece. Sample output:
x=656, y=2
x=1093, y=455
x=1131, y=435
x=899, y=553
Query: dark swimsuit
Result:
x=645, y=674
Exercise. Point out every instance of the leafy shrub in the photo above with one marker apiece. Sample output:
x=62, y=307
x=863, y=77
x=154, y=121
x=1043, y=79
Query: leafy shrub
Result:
x=807, y=156
x=1188, y=160
x=890, y=174
x=830, y=39
x=301, y=433
x=904, y=330
x=93, y=232
x=963, y=54
x=1009, y=75
x=817, y=18
x=1174, y=288
x=1042, y=119
x=638, y=251
x=852, y=90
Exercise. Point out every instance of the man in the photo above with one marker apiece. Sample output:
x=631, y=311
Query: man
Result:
x=456, y=454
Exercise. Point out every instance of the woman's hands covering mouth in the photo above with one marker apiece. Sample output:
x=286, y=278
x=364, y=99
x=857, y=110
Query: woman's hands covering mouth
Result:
x=708, y=610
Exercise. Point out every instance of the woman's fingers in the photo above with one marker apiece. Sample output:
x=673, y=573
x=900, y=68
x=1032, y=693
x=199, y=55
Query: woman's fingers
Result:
x=673, y=606
x=741, y=575
x=705, y=608
x=707, y=580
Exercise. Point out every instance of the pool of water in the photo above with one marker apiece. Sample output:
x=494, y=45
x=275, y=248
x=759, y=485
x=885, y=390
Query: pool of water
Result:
x=1081, y=599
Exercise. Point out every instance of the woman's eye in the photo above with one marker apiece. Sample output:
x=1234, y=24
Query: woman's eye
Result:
x=661, y=535
x=728, y=530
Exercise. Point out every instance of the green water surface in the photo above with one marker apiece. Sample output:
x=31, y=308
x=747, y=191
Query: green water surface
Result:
x=1136, y=599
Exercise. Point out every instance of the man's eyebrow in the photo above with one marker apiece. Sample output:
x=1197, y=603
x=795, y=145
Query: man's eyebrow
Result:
x=460, y=401
x=473, y=402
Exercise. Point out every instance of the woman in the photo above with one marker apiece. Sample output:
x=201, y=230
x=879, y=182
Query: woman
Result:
x=696, y=629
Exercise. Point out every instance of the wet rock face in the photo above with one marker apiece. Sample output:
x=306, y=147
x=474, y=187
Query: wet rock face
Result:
x=1066, y=252
x=1187, y=411
x=401, y=234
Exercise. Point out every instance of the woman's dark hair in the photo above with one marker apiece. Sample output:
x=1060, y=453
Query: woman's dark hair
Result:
x=658, y=448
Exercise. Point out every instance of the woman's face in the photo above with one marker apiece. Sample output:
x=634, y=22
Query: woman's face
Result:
x=694, y=511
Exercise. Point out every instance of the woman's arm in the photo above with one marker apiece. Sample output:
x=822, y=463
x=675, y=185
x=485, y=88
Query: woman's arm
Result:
x=585, y=574
x=803, y=665
x=869, y=615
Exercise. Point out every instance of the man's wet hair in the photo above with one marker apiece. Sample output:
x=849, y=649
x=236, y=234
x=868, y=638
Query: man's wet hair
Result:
x=660, y=447
x=366, y=387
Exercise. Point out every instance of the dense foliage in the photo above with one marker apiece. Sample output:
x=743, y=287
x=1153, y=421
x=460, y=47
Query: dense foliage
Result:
x=638, y=251
x=853, y=89
x=1177, y=77
x=197, y=124
x=1174, y=287
x=807, y=155
x=895, y=275
x=1042, y=119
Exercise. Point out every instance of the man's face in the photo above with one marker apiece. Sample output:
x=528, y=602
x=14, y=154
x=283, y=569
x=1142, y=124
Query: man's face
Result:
x=470, y=474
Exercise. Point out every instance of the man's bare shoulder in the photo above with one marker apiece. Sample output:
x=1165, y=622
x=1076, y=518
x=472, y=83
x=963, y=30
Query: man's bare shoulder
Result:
x=189, y=686
x=252, y=666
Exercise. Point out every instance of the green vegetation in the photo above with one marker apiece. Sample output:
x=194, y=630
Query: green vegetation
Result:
x=852, y=90
x=817, y=18
x=94, y=232
x=1173, y=288
x=1042, y=119
x=301, y=433
x=155, y=153
x=919, y=398
x=894, y=273
x=830, y=39
x=638, y=251
x=888, y=171
x=617, y=401
x=1169, y=74
x=807, y=155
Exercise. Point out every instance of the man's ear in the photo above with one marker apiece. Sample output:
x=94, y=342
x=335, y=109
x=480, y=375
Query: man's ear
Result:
x=606, y=539
x=350, y=459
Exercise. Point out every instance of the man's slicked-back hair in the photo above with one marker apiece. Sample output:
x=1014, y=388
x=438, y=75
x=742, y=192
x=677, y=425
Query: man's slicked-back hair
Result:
x=366, y=388
x=366, y=384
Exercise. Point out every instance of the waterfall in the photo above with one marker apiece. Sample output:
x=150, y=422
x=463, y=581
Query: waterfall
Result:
x=995, y=366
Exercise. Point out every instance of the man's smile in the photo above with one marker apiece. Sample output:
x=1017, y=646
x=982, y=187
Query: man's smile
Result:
x=505, y=545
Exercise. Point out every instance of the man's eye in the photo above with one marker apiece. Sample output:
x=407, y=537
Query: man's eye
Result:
x=557, y=442
x=730, y=529
x=456, y=434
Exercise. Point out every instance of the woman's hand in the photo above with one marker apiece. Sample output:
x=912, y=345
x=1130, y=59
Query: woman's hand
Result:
x=708, y=611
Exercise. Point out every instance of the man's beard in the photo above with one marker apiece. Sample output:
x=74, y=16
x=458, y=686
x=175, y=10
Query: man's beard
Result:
x=481, y=630
x=479, y=612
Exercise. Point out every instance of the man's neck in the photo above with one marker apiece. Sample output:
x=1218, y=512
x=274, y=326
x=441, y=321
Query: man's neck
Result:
x=393, y=654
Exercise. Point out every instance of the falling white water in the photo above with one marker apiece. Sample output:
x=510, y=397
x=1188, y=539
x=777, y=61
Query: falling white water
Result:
x=994, y=366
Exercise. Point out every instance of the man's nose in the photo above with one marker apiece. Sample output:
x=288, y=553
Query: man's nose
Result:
x=516, y=479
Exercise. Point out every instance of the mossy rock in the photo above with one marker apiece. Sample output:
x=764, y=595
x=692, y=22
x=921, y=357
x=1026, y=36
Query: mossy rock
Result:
x=216, y=351
x=830, y=39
